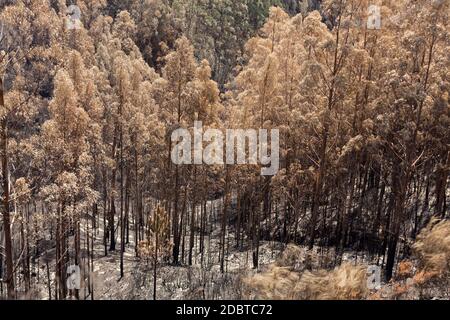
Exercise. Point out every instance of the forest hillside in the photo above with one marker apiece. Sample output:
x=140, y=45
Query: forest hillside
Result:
x=351, y=203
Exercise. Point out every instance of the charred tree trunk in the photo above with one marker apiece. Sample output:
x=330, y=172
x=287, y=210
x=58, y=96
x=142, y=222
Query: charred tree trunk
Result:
x=5, y=198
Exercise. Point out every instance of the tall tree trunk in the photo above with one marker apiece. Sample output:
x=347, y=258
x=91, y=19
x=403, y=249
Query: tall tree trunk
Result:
x=112, y=213
x=155, y=258
x=441, y=184
x=318, y=186
x=5, y=198
x=122, y=222
x=176, y=223
x=399, y=187
x=105, y=213
x=192, y=222
x=224, y=220
x=137, y=222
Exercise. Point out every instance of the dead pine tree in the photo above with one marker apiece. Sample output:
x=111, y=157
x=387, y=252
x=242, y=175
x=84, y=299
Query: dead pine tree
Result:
x=157, y=246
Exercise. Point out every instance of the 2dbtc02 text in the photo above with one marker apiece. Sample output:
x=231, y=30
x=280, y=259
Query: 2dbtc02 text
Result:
x=230, y=309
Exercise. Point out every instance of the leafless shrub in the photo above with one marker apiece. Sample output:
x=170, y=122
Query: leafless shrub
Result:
x=293, y=257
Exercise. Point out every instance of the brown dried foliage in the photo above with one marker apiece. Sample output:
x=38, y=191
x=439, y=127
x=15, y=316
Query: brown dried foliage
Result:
x=346, y=282
x=433, y=249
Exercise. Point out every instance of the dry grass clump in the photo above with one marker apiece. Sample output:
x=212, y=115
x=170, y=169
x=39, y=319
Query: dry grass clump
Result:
x=282, y=281
x=277, y=283
x=433, y=248
x=346, y=282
